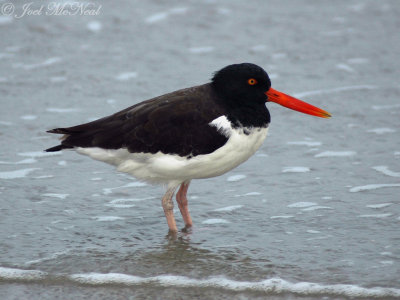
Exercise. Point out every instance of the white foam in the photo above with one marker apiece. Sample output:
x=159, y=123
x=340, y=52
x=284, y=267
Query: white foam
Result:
x=295, y=170
x=36, y=154
x=335, y=154
x=16, y=173
x=156, y=17
x=385, y=170
x=379, y=216
x=107, y=218
x=302, y=204
x=316, y=207
x=358, y=7
x=109, y=278
x=50, y=257
x=229, y=208
x=107, y=191
x=278, y=55
x=164, y=15
x=94, y=26
x=61, y=110
x=120, y=205
x=282, y=217
x=62, y=163
x=50, y=61
x=260, y=154
x=55, y=195
x=313, y=231
x=249, y=194
x=252, y=194
x=380, y=205
x=269, y=286
x=4, y=20
x=28, y=117
x=235, y=178
x=126, y=76
x=96, y=178
x=6, y=123
x=334, y=90
x=382, y=130
x=388, y=106
x=215, y=221
x=56, y=79
x=345, y=67
x=372, y=187
x=26, y=161
x=21, y=162
x=201, y=50
x=43, y=176
x=18, y=274
x=47, y=62
x=305, y=143
x=122, y=202
x=6, y=55
x=259, y=48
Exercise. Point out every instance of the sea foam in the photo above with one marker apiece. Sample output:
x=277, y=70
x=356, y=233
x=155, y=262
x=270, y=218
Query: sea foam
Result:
x=16, y=173
x=268, y=286
x=372, y=187
x=335, y=154
x=385, y=170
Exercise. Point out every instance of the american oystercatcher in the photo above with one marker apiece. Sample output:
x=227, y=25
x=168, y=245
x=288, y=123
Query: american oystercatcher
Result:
x=197, y=132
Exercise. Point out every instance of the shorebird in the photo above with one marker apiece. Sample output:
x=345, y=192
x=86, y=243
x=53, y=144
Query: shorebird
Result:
x=198, y=132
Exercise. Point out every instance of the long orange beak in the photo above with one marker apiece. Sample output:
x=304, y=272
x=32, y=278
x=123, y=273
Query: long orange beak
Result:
x=295, y=104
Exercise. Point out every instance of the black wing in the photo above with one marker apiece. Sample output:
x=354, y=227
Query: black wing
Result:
x=175, y=123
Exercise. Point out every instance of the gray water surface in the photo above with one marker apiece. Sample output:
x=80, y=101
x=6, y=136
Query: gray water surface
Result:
x=313, y=214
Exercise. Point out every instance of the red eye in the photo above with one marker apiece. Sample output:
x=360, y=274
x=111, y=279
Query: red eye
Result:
x=252, y=81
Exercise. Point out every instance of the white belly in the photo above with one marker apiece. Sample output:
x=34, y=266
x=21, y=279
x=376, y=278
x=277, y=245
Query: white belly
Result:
x=168, y=168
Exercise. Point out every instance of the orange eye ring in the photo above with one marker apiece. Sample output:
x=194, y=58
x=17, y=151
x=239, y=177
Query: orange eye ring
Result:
x=252, y=81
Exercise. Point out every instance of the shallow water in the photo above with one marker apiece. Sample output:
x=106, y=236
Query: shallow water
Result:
x=314, y=214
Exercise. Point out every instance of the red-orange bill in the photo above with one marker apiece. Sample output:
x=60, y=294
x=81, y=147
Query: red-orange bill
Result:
x=295, y=104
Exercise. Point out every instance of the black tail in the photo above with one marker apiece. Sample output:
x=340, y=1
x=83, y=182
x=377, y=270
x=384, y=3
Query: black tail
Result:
x=56, y=148
x=59, y=147
x=58, y=130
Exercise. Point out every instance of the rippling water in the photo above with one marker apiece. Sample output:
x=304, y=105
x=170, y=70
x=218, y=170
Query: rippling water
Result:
x=314, y=214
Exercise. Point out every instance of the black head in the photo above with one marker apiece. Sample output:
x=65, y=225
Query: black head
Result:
x=243, y=90
x=242, y=84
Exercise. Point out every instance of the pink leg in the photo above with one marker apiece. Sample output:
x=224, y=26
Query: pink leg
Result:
x=183, y=203
x=168, y=206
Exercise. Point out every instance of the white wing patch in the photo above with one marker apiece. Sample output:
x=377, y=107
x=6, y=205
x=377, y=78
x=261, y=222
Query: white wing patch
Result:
x=223, y=125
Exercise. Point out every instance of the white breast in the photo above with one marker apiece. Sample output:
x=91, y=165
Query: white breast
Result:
x=166, y=168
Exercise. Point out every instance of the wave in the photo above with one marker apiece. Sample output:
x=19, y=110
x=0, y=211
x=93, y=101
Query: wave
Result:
x=268, y=286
